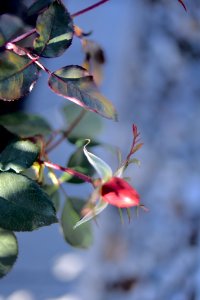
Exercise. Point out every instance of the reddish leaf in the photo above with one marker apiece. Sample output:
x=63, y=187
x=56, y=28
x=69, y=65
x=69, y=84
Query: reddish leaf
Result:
x=75, y=84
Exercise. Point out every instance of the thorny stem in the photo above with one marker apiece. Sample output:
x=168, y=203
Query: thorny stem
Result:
x=68, y=131
x=67, y=170
x=78, y=13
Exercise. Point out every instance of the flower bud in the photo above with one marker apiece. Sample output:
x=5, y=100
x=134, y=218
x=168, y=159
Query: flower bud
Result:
x=119, y=193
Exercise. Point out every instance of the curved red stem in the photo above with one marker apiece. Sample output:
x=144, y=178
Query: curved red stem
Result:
x=78, y=13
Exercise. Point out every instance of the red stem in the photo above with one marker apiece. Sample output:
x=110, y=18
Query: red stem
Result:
x=78, y=13
x=67, y=170
x=23, y=36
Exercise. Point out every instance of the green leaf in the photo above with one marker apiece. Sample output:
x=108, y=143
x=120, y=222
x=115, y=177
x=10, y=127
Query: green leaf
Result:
x=80, y=237
x=18, y=156
x=24, y=205
x=17, y=76
x=10, y=26
x=55, y=29
x=53, y=192
x=37, y=6
x=8, y=251
x=101, y=167
x=25, y=125
x=88, y=127
x=75, y=84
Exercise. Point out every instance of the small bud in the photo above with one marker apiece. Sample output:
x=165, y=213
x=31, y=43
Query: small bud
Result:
x=119, y=193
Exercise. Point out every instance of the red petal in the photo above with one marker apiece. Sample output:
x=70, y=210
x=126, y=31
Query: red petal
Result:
x=119, y=193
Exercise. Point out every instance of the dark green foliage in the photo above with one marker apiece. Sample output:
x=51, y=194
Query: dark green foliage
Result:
x=17, y=76
x=53, y=191
x=18, y=156
x=55, y=29
x=9, y=26
x=8, y=251
x=24, y=205
x=28, y=200
x=25, y=125
x=82, y=236
x=37, y=6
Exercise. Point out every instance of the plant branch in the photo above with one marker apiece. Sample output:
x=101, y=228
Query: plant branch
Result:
x=32, y=31
x=67, y=170
x=78, y=13
x=24, y=36
x=35, y=60
x=68, y=131
x=23, y=51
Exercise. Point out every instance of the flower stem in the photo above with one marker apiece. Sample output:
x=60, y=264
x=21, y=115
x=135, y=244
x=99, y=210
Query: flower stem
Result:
x=68, y=131
x=67, y=170
x=78, y=13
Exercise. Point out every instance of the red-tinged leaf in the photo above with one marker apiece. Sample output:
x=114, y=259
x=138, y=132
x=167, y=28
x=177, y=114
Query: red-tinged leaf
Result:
x=119, y=193
x=135, y=131
x=136, y=148
x=183, y=4
x=75, y=84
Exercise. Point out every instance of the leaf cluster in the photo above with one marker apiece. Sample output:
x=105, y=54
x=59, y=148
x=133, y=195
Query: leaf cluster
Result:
x=29, y=194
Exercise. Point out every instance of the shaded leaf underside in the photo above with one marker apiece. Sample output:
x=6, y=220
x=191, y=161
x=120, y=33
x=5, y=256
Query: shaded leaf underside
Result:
x=17, y=76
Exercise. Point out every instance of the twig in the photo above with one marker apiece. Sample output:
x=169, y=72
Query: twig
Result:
x=67, y=170
x=32, y=31
x=78, y=13
x=68, y=131
x=23, y=36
